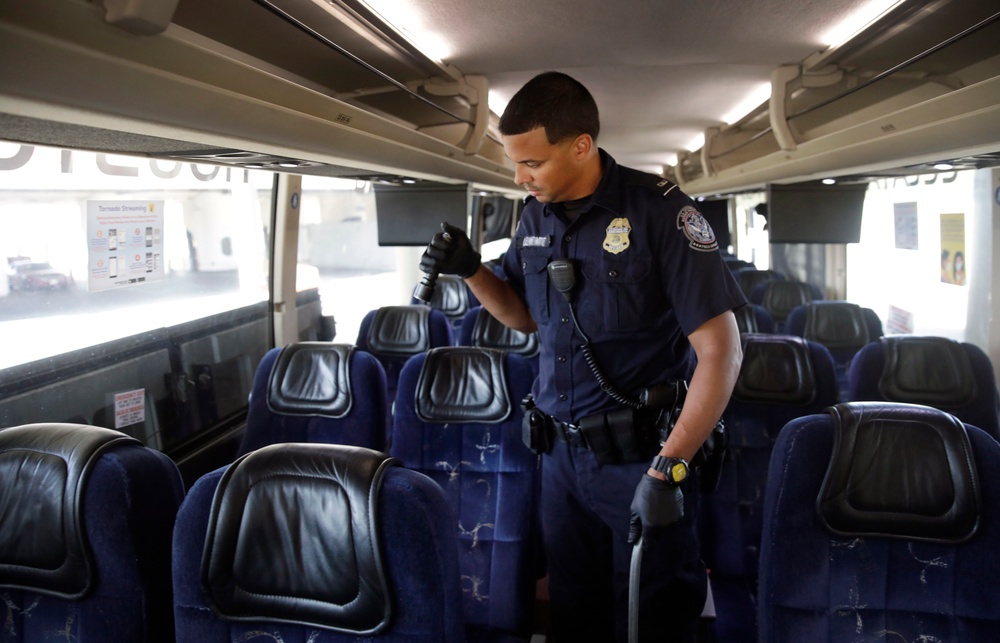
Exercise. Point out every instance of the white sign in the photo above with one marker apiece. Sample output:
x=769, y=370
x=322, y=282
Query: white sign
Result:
x=130, y=408
x=124, y=243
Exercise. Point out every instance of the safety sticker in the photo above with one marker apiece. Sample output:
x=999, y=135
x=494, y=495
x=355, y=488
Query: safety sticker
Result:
x=696, y=229
x=617, y=235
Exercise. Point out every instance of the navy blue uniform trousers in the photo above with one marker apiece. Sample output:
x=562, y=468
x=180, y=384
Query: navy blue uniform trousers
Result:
x=585, y=522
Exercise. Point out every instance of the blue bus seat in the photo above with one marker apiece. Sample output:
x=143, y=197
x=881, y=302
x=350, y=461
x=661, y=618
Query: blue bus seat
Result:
x=881, y=523
x=453, y=298
x=754, y=318
x=750, y=278
x=843, y=327
x=458, y=420
x=953, y=376
x=480, y=328
x=780, y=297
x=85, y=533
x=394, y=334
x=316, y=542
x=782, y=377
x=735, y=263
x=317, y=392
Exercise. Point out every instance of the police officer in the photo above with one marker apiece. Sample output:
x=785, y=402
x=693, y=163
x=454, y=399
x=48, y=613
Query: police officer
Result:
x=645, y=284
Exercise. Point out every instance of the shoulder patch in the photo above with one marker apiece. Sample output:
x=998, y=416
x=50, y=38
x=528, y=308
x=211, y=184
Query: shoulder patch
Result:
x=696, y=229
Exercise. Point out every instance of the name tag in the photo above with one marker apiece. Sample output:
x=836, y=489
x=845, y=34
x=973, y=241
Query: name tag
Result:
x=535, y=242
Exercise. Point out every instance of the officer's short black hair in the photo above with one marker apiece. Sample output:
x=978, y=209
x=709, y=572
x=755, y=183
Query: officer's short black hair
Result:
x=555, y=101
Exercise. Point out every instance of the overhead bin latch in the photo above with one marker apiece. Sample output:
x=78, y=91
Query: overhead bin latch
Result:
x=475, y=89
x=143, y=17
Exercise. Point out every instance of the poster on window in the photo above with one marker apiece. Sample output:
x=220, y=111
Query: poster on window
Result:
x=905, y=220
x=124, y=243
x=953, y=249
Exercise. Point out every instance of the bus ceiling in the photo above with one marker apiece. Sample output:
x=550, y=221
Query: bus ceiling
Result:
x=334, y=88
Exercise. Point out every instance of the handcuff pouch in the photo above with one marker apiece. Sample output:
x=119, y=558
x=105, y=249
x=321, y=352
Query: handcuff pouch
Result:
x=618, y=436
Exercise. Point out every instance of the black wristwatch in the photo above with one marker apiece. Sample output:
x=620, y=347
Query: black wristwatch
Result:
x=676, y=469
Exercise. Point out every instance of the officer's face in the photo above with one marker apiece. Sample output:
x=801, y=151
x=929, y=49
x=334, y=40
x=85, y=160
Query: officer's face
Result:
x=550, y=173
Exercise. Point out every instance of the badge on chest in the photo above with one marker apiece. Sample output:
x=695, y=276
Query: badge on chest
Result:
x=616, y=239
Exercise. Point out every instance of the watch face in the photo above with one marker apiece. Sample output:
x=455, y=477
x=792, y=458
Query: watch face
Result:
x=678, y=471
x=675, y=469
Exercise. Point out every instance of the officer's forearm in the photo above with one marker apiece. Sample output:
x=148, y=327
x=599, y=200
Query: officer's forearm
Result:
x=501, y=300
x=717, y=346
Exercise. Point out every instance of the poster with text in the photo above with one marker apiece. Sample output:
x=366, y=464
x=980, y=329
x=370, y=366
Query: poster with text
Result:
x=124, y=243
x=905, y=219
x=953, y=262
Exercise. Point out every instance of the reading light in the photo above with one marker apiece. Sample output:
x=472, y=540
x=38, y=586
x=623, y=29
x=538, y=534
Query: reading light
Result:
x=829, y=181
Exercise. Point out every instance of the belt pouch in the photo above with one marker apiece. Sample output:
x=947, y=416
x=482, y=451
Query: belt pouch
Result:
x=595, y=432
x=627, y=431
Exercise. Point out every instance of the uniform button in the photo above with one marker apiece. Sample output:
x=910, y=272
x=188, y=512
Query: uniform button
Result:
x=562, y=359
x=568, y=237
x=562, y=397
x=613, y=273
x=565, y=320
x=524, y=265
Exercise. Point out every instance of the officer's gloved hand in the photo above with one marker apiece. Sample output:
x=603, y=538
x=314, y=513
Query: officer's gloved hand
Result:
x=450, y=253
x=656, y=505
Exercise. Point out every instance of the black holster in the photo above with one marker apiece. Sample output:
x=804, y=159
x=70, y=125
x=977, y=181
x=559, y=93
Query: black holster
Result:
x=713, y=452
x=536, y=427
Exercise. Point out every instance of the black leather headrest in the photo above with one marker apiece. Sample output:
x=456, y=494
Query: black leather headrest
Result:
x=776, y=369
x=746, y=319
x=400, y=330
x=463, y=384
x=927, y=370
x=748, y=279
x=836, y=324
x=311, y=378
x=488, y=332
x=43, y=474
x=451, y=296
x=293, y=536
x=899, y=471
x=780, y=297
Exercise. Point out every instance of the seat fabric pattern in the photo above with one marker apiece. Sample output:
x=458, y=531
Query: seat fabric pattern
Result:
x=782, y=377
x=458, y=420
x=824, y=587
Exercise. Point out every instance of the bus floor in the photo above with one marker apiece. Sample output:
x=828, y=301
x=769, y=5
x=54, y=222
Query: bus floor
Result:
x=540, y=632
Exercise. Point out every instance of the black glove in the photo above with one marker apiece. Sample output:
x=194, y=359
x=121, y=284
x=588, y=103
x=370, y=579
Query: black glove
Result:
x=656, y=505
x=450, y=253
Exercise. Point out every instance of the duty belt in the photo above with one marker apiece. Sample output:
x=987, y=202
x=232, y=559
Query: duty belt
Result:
x=569, y=433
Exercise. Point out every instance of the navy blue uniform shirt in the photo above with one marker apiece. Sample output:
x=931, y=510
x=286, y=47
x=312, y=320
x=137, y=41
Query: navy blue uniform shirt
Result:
x=648, y=272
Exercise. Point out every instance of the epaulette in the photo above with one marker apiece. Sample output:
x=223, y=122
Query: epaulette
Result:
x=654, y=182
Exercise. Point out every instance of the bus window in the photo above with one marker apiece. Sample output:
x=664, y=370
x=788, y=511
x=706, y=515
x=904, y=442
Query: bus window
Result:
x=136, y=290
x=339, y=252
